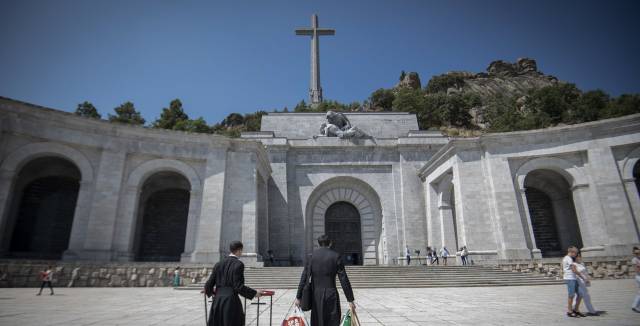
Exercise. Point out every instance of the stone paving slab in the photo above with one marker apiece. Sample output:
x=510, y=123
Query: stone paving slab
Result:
x=522, y=305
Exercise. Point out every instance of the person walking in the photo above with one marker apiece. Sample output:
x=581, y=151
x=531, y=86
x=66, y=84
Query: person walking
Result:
x=429, y=256
x=272, y=258
x=570, y=279
x=444, y=253
x=583, y=283
x=635, y=262
x=463, y=255
x=435, y=257
x=323, y=266
x=408, y=256
x=225, y=284
x=176, y=277
x=46, y=276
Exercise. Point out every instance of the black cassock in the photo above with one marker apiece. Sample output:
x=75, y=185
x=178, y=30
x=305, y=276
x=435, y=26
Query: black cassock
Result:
x=325, y=264
x=228, y=279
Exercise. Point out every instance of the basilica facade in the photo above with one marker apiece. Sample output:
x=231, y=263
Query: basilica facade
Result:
x=76, y=188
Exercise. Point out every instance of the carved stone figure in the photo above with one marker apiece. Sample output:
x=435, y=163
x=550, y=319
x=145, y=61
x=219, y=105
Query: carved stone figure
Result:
x=338, y=125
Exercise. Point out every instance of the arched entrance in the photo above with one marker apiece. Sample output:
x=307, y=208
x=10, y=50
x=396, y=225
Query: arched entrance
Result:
x=342, y=225
x=162, y=217
x=41, y=214
x=373, y=248
x=551, y=209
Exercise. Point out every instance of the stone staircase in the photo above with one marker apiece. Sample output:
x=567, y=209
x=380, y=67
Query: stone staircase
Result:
x=396, y=277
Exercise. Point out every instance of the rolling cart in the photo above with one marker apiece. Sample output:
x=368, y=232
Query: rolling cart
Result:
x=265, y=293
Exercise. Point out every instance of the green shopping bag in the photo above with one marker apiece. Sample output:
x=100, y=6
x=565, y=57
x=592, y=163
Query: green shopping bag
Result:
x=346, y=319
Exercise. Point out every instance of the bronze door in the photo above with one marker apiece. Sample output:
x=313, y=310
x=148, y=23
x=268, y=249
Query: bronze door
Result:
x=342, y=225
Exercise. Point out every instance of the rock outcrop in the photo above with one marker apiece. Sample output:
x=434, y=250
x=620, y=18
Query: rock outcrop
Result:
x=513, y=79
x=410, y=80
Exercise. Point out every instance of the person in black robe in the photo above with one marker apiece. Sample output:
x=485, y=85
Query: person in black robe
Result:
x=325, y=264
x=225, y=284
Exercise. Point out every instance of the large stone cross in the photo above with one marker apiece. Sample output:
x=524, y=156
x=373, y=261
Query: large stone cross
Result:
x=315, y=91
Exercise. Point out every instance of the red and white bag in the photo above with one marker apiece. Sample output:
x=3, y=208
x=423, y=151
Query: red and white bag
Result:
x=296, y=318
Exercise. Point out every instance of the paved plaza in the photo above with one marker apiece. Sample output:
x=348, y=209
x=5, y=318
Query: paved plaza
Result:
x=525, y=305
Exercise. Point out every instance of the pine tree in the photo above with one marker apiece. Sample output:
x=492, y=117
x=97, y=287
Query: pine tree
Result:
x=86, y=109
x=171, y=116
x=126, y=113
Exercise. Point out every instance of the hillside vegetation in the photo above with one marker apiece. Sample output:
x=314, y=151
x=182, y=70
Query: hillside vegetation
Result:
x=506, y=97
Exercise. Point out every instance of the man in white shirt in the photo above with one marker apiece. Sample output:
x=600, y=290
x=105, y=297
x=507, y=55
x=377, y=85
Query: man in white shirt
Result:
x=635, y=262
x=570, y=278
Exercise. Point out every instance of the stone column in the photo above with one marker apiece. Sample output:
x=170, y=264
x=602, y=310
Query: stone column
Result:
x=619, y=221
x=476, y=225
x=448, y=228
x=195, y=203
x=281, y=225
x=249, y=216
x=246, y=191
x=80, y=221
x=592, y=224
x=207, y=236
x=6, y=183
x=413, y=205
x=434, y=228
x=511, y=224
x=100, y=231
x=531, y=239
x=126, y=225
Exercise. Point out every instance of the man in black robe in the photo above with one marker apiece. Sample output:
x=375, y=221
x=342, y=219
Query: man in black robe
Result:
x=325, y=264
x=228, y=279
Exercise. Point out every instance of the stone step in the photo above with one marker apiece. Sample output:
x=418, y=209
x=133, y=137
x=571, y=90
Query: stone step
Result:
x=397, y=277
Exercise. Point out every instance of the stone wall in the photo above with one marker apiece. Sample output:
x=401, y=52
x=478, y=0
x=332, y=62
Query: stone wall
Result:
x=598, y=268
x=87, y=274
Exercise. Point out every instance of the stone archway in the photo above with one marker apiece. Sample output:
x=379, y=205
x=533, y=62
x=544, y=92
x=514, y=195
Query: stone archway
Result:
x=9, y=179
x=126, y=237
x=365, y=200
x=162, y=217
x=548, y=187
x=42, y=210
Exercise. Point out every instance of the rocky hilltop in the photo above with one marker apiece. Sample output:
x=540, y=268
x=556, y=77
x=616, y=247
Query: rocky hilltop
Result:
x=500, y=78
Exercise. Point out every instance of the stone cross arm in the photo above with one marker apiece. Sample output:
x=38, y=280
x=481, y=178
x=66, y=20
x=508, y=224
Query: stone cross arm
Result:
x=319, y=31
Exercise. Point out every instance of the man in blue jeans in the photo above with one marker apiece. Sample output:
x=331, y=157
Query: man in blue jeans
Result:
x=570, y=278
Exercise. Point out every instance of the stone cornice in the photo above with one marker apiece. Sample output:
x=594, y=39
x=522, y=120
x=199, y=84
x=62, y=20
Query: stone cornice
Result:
x=445, y=153
x=580, y=132
x=26, y=118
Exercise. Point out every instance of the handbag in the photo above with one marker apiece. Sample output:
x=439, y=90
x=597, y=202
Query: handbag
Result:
x=355, y=321
x=307, y=291
x=346, y=319
x=295, y=319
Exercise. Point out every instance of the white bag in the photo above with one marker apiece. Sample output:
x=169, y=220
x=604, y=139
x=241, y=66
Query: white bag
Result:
x=296, y=318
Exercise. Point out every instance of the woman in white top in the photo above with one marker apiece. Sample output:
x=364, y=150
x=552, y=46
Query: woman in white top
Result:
x=583, y=283
x=444, y=253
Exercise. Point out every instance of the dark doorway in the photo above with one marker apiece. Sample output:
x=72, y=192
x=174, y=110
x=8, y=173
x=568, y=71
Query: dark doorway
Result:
x=163, y=214
x=636, y=175
x=46, y=191
x=553, y=217
x=543, y=222
x=342, y=225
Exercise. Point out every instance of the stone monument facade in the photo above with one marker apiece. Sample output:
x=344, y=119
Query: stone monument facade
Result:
x=79, y=189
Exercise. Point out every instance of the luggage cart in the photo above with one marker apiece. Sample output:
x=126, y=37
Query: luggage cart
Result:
x=265, y=293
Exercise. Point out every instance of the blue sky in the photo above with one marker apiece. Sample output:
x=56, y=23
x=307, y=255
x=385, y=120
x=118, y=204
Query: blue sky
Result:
x=220, y=57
